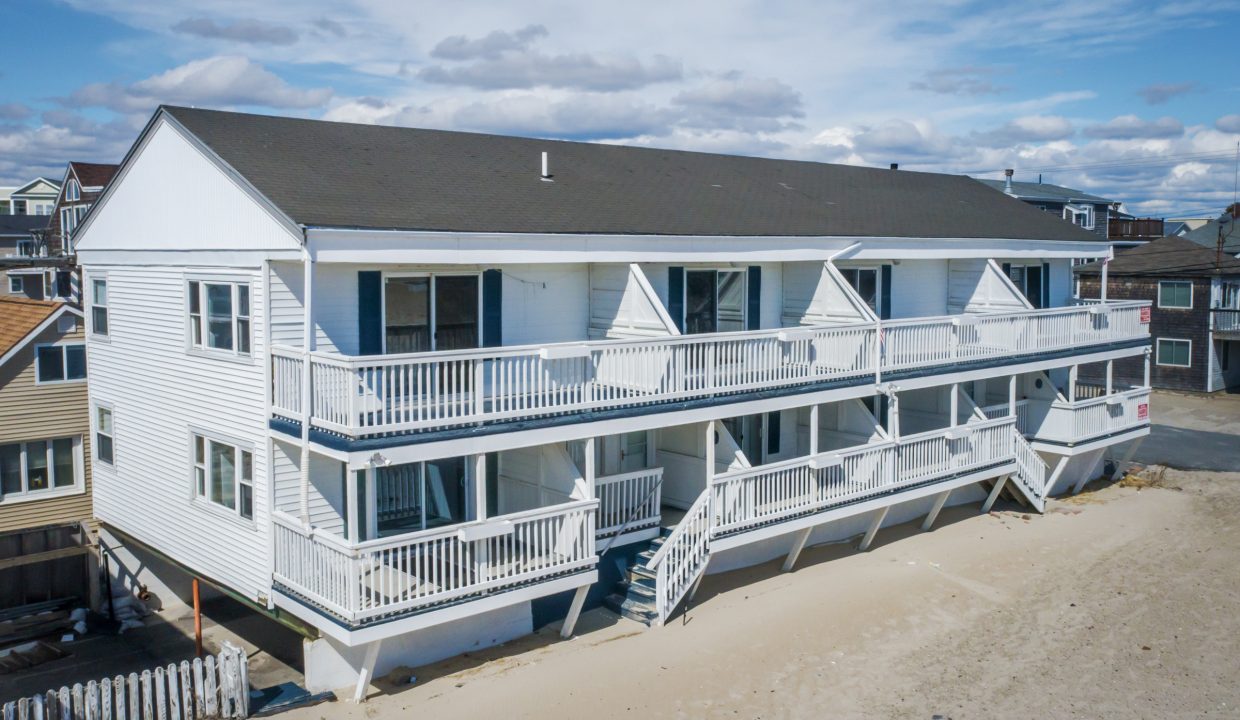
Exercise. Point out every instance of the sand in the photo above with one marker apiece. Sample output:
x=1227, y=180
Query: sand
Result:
x=1121, y=602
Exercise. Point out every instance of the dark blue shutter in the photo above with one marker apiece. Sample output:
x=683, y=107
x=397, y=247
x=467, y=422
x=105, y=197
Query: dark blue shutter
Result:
x=772, y=433
x=492, y=308
x=369, y=312
x=884, y=296
x=1046, y=285
x=753, y=321
x=676, y=296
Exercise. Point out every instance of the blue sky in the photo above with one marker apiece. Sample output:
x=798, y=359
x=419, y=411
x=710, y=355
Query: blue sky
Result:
x=1132, y=100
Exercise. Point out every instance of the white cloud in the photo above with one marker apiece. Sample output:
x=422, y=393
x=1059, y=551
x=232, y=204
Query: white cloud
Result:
x=1228, y=124
x=245, y=31
x=968, y=80
x=227, y=80
x=1129, y=127
x=1027, y=129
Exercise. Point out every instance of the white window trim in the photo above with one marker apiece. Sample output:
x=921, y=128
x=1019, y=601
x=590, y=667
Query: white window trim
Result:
x=204, y=501
x=94, y=436
x=64, y=359
x=17, y=284
x=1086, y=210
x=431, y=309
x=203, y=349
x=1158, y=352
x=89, y=292
x=79, y=474
x=73, y=191
x=1189, y=283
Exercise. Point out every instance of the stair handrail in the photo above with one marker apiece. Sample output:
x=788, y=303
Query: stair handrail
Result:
x=666, y=547
x=632, y=516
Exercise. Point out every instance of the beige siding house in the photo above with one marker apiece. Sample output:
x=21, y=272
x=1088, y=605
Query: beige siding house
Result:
x=45, y=444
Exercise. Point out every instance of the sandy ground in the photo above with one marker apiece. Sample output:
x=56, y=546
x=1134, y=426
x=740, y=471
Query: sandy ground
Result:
x=1121, y=602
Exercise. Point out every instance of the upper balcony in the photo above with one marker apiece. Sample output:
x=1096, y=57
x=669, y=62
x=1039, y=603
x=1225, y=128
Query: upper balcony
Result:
x=358, y=397
x=1225, y=322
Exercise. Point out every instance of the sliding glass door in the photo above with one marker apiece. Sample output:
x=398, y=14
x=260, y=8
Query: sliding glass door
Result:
x=417, y=496
x=430, y=312
x=714, y=301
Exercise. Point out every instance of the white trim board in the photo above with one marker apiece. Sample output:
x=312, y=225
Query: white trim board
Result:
x=39, y=330
x=401, y=626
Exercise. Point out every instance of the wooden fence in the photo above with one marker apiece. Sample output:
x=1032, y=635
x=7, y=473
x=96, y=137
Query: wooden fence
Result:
x=214, y=687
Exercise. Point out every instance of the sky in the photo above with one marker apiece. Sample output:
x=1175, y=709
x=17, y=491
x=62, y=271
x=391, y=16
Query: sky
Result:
x=1135, y=101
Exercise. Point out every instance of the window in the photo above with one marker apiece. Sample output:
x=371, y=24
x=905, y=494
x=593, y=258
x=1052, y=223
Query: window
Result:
x=219, y=316
x=866, y=282
x=72, y=191
x=38, y=466
x=17, y=285
x=105, y=451
x=66, y=221
x=99, y=306
x=431, y=312
x=1175, y=294
x=60, y=363
x=25, y=248
x=715, y=301
x=1229, y=296
x=1174, y=353
x=224, y=475
x=1028, y=279
x=1082, y=215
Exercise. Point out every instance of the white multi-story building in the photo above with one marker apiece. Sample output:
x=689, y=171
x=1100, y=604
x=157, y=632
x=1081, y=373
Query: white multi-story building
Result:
x=408, y=386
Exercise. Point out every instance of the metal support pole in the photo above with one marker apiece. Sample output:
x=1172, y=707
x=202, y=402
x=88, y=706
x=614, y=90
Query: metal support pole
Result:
x=197, y=621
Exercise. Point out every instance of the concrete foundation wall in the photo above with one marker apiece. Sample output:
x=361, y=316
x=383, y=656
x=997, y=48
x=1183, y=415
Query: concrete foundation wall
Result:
x=333, y=666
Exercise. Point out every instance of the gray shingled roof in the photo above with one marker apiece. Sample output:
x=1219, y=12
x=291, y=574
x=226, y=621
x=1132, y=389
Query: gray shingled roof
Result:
x=1207, y=236
x=1167, y=256
x=1046, y=191
x=326, y=174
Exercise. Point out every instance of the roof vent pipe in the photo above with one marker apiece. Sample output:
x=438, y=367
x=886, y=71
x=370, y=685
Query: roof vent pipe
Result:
x=1007, y=185
x=895, y=166
x=546, y=172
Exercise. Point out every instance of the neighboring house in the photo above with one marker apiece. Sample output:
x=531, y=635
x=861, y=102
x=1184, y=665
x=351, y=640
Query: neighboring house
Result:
x=26, y=268
x=1195, y=323
x=45, y=453
x=6, y=207
x=1082, y=209
x=455, y=386
x=1222, y=232
x=82, y=184
x=36, y=197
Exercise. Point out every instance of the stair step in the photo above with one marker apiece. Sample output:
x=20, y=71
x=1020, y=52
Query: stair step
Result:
x=637, y=590
x=626, y=607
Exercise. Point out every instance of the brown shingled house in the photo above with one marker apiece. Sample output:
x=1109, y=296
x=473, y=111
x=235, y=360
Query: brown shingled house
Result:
x=1195, y=315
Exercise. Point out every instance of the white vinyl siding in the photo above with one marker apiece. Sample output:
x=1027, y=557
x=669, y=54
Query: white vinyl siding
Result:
x=160, y=394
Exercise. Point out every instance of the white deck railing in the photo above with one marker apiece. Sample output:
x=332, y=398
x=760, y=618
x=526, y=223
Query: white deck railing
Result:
x=1096, y=417
x=770, y=493
x=369, y=395
x=420, y=570
x=1225, y=320
x=629, y=501
x=682, y=558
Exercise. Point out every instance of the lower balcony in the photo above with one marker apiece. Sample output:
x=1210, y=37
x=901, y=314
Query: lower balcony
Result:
x=1096, y=415
x=358, y=397
x=358, y=584
x=1225, y=323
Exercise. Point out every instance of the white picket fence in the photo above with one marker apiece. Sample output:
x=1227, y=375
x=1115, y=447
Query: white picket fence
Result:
x=217, y=687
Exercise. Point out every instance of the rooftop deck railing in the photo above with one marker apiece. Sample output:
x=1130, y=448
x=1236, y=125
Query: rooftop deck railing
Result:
x=358, y=396
x=421, y=570
x=1225, y=320
x=1096, y=416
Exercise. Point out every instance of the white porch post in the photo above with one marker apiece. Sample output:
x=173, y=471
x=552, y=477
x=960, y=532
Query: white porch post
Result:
x=1012, y=396
x=813, y=429
x=574, y=612
x=955, y=403
x=1147, y=367
x=366, y=671
x=1103, y=291
x=351, y=507
x=875, y=523
x=480, y=486
x=893, y=415
x=590, y=470
x=994, y=493
x=1110, y=375
x=1072, y=375
x=710, y=452
x=308, y=343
